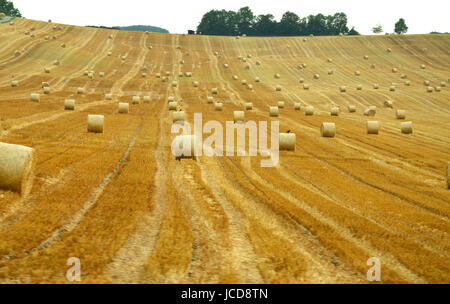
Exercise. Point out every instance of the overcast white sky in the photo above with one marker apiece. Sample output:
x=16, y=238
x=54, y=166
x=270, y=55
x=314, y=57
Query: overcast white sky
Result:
x=177, y=16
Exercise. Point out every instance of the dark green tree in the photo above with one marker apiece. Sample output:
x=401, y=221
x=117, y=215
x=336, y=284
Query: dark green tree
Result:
x=400, y=26
x=245, y=20
x=337, y=24
x=8, y=8
x=377, y=29
x=217, y=22
x=353, y=32
x=289, y=25
x=317, y=25
x=265, y=25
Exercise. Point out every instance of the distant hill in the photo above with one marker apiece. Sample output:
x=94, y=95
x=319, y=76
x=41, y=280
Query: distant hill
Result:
x=143, y=28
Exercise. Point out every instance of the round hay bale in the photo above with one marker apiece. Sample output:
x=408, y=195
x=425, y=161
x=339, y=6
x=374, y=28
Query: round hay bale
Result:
x=258, y=62
x=214, y=91
x=273, y=111
x=407, y=83
x=108, y=96
x=95, y=123
x=330, y=60
x=47, y=37
x=56, y=62
x=188, y=74
x=406, y=127
x=278, y=88
x=316, y=76
x=14, y=83
x=330, y=72
x=17, y=53
x=437, y=89
x=403, y=76
x=180, y=74
x=178, y=116
x=158, y=75
x=373, y=66
x=80, y=90
x=101, y=74
x=328, y=129
x=35, y=97
x=170, y=98
x=426, y=82
x=334, y=111
x=248, y=106
x=287, y=141
x=305, y=86
x=85, y=73
x=388, y=50
x=47, y=70
x=376, y=86
x=257, y=79
x=280, y=104
x=301, y=80
x=144, y=75
x=351, y=108
x=297, y=106
x=429, y=89
x=388, y=104
x=123, y=58
x=16, y=168
x=250, y=87
x=109, y=53
x=136, y=100
x=366, y=57
x=46, y=90
x=309, y=110
x=209, y=99
x=243, y=82
x=357, y=73
x=63, y=45
x=400, y=114
x=11, y=23
x=392, y=88
x=394, y=70
x=422, y=66
x=164, y=79
x=443, y=84
x=146, y=99
x=304, y=65
x=91, y=75
x=277, y=76
x=168, y=73
x=305, y=39
x=195, y=84
x=369, y=112
x=372, y=127
x=69, y=104
x=247, y=67
x=173, y=106
x=342, y=89
x=359, y=87
x=174, y=84
x=218, y=106
x=124, y=107
x=225, y=65
x=238, y=116
x=235, y=77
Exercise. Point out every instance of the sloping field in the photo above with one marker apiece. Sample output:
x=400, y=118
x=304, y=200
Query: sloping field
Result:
x=132, y=213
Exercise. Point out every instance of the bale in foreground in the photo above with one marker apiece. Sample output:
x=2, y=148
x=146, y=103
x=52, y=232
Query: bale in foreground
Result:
x=287, y=141
x=16, y=166
x=328, y=129
x=95, y=123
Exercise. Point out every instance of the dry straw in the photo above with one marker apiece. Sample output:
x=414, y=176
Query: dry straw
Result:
x=357, y=73
x=316, y=76
x=214, y=91
x=376, y=86
x=287, y=141
x=124, y=107
x=173, y=106
x=16, y=167
x=392, y=88
x=209, y=99
x=426, y=82
x=257, y=79
x=273, y=111
x=243, y=82
x=195, y=84
x=46, y=90
x=14, y=83
x=328, y=129
x=342, y=89
x=47, y=70
x=136, y=99
x=248, y=106
x=235, y=77
x=351, y=108
x=178, y=116
x=277, y=75
x=400, y=114
x=95, y=123
x=280, y=104
x=334, y=111
x=238, y=116
x=297, y=106
x=278, y=88
x=35, y=97
x=301, y=80
x=80, y=91
x=218, y=106
x=406, y=127
x=146, y=99
x=448, y=175
x=359, y=87
x=309, y=110
x=394, y=70
x=69, y=104
x=170, y=98
x=388, y=104
x=372, y=127
x=429, y=89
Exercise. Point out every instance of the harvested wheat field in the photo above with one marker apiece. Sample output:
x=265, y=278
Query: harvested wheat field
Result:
x=110, y=192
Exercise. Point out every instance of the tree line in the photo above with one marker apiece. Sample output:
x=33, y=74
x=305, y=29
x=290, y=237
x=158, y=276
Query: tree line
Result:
x=7, y=7
x=230, y=23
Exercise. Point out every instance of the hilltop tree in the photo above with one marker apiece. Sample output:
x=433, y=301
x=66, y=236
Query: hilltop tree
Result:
x=337, y=24
x=8, y=8
x=217, y=22
x=265, y=25
x=245, y=20
x=377, y=29
x=289, y=24
x=353, y=32
x=400, y=26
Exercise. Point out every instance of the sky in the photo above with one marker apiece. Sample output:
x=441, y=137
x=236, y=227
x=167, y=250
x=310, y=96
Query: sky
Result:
x=178, y=16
